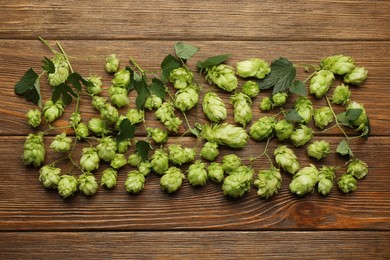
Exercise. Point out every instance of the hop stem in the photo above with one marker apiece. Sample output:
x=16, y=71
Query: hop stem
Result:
x=66, y=56
x=335, y=117
x=47, y=44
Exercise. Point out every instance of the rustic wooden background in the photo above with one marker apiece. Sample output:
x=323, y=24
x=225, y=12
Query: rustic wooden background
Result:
x=36, y=223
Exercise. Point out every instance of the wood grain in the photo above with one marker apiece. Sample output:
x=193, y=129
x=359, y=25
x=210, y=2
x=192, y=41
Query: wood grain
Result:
x=191, y=245
x=205, y=20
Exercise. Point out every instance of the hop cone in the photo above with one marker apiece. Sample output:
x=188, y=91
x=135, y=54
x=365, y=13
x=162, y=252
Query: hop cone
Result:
x=254, y=67
x=223, y=76
x=179, y=155
x=75, y=119
x=135, y=116
x=283, y=129
x=304, y=181
x=171, y=180
x=118, y=96
x=159, y=161
x=262, y=128
x=89, y=161
x=135, y=182
x=361, y=122
x=341, y=94
x=323, y=116
x=67, y=186
x=109, y=178
x=318, y=149
x=225, y=134
x=266, y=104
x=87, y=184
x=321, y=82
x=209, y=151
x=357, y=76
x=61, y=71
x=230, y=162
x=347, y=183
x=118, y=161
x=304, y=108
x=250, y=88
x=144, y=168
x=61, y=143
x=34, y=150
x=213, y=107
x=325, y=180
x=268, y=182
x=49, y=176
x=121, y=78
x=112, y=64
x=338, y=64
x=279, y=99
x=109, y=113
x=181, y=77
x=134, y=159
x=123, y=146
x=301, y=135
x=98, y=126
x=186, y=98
x=242, y=108
x=34, y=117
x=238, y=182
x=286, y=158
x=96, y=86
x=158, y=135
x=357, y=168
x=215, y=172
x=81, y=131
x=106, y=148
x=53, y=111
x=197, y=174
x=153, y=102
x=98, y=102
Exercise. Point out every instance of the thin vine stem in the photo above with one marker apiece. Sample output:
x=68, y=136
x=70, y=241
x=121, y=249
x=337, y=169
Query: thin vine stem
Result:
x=47, y=44
x=66, y=56
x=335, y=117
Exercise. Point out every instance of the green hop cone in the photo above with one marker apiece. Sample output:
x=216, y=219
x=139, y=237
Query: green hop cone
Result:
x=179, y=155
x=347, y=183
x=67, y=185
x=96, y=86
x=34, y=117
x=225, y=134
x=279, y=99
x=197, y=174
x=341, y=94
x=34, y=150
x=89, y=160
x=172, y=180
x=109, y=178
x=361, y=122
x=325, y=179
x=135, y=116
x=53, y=111
x=75, y=119
x=173, y=124
x=166, y=114
x=81, y=131
x=254, y=67
x=304, y=181
x=109, y=113
x=301, y=135
x=268, y=182
x=61, y=143
x=158, y=135
x=98, y=102
x=145, y=168
x=223, y=76
x=323, y=116
x=134, y=159
x=186, y=98
x=118, y=96
x=87, y=184
x=106, y=148
x=266, y=104
x=286, y=158
x=321, y=82
x=242, y=108
x=159, y=161
x=262, y=128
x=123, y=146
x=357, y=76
x=357, y=168
x=338, y=64
x=230, y=162
x=213, y=107
x=238, y=182
x=304, y=108
x=181, y=77
x=135, y=182
x=98, y=126
x=318, y=149
x=283, y=129
x=121, y=78
x=250, y=88
x=153, y=102
x=61, y=71
x=118, y=161
x=209, y=151
x=49, y=176
x=215, y=172
x=112, y=64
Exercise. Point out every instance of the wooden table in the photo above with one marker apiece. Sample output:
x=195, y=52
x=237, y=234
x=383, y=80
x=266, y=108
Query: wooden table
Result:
x=36, y=223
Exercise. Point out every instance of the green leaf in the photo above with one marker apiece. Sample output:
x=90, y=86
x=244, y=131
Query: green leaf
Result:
x=130, y=85
x=64, y=92
x=353, y=113
x=281, y=76
x=143, y=148
x=298, y=87
x=293, y=116
x=126, y=131
x=158, y=88
x=28, y=87
x=143, y=93
x=212, y=61
x=48, y=65
x=185, y=51
x=344, y=149
x=169, y=63
x=367, y=129
x=343, y=119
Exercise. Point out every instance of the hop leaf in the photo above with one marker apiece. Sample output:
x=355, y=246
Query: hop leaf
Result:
x=28, y=87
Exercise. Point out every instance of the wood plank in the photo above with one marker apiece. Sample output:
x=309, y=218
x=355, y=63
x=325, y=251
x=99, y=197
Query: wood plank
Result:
x=26, y=205
x=191, y=245
x=18, y=56
x=227, y=20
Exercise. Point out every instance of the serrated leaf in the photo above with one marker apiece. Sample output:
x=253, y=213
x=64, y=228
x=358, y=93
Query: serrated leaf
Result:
x=343, y=119
x=185, y=51
x=126, y=131
x=298, y=87
x=353, y=113
x=143, y=148
x=28, y=87
x=64, y=92
x=168, y=64
x=212, y=61
x=281, y=76
x=293, y=116
x=158, y=88
x=48, y=65
x=143, y=93
x=130, y=85
x=344, y=149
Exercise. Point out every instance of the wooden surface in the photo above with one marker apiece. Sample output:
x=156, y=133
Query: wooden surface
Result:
x=195, y=222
